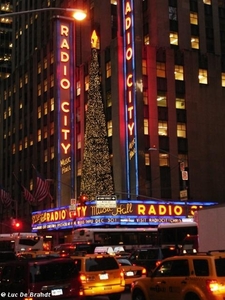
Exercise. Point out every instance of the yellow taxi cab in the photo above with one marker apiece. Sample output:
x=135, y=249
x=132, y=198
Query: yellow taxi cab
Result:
x=186, y=277
x=131, y=271
x=101, y=275
x=36, y=254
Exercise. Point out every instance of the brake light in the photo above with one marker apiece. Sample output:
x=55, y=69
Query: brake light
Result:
x=83, y=278
x=144, y=271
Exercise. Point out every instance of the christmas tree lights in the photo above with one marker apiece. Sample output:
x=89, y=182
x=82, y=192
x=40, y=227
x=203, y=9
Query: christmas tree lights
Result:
x=96, y=177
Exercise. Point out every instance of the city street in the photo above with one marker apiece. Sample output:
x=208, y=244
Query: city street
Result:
x=125, y=296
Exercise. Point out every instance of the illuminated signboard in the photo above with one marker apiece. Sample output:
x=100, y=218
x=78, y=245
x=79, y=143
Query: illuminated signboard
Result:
x=65, y=109
x=127, y=212
x=130, y=95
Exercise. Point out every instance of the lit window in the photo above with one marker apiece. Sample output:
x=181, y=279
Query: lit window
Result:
x=160, y=69
x=39, y=68
x=181, y=130
x=86, y=82
x=194, y=18
x=45, y=85
x=52, y=154
x=180, y=103
x=39, y=89
x=162, y=128
x=223, y=79
x=146, y=40
x=9, y=111
x=45, y=108
x=52, y=104
x=79, y=141
x=21, y=82
x=39, y=135
x=45, y=155
x=203, y=76
x=194, y=42
x=51, y=128
x=145, y=97
x=78, y=88
x=45, y=63
x=45, y=132
x=78, y=168
x=20, y=146
x=108, y=69
x=208, y=2
x=147, y=159
x=164, y=160
x=109, y=128
x=5, y=115
x=173, y=38
x=39, y=112
x=179, y=72
x=172, y=13
x=161, y=99
x=13, y=148
x=109, y=99
x=146, y=126
x=52, y=58
x=183, y=158
x=26, y=78
x=25, y=142
x=144, y=67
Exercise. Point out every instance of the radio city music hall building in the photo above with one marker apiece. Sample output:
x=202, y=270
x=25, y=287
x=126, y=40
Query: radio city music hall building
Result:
x=162, y=72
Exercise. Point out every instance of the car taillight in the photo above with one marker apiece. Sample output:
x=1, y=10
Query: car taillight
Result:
x=121, y=276
x=144, y=271
x=157, y=263
x=83, y=278
x=214, y=286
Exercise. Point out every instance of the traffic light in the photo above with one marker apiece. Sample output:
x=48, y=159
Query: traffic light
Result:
x=83, y=199
x=16, y=225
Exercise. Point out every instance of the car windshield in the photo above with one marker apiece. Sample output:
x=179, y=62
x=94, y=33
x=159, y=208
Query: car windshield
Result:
x=52, y=271
x=124, y=262
x=101, y=264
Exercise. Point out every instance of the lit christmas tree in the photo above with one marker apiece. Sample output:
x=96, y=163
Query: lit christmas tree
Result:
x=96, y=177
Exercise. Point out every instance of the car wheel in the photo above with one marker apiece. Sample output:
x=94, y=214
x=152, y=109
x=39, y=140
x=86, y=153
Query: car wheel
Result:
x=115, y=296
x=138, y=295
x=191, y=296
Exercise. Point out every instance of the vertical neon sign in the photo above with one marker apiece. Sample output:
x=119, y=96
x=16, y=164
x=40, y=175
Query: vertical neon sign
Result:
x=65, y=110
x=130, y=96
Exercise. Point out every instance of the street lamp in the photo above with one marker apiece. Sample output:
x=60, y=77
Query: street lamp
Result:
x=78, y=14
x=184, y=173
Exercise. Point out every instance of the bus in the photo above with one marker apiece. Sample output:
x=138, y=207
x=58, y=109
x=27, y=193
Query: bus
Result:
x=174, y=234
x=129, y=238
x=22, y=241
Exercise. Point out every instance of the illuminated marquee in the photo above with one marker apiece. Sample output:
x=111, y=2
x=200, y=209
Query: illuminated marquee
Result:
x=65, y=87
x=130, y=75
x=126, y=213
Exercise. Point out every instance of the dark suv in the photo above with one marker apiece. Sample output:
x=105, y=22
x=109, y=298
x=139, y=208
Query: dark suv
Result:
x=56, y=278
x=151, y=257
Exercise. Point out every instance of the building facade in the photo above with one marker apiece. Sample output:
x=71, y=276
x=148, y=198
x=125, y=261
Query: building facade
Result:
x=162, y=66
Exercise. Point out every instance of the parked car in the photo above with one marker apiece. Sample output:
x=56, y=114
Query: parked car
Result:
x=100, y=275
x=36, y=279
x=131, y=272
x=186, y=277
x=151, y=257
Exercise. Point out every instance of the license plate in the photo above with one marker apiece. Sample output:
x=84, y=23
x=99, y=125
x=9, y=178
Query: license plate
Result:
x=56, y=292
x=103, y=276
x=130, y=273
